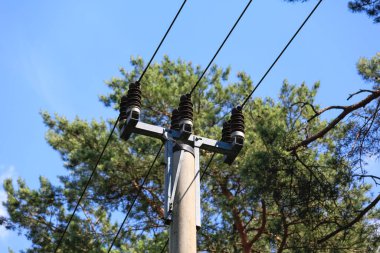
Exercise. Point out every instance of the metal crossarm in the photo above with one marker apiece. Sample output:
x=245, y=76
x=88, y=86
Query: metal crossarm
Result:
x=229, y=149
x=171, y=138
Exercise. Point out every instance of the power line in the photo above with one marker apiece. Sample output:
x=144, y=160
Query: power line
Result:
x=86, y=186
x=282, y=52
x=192, y=90
x=220, y=47
x=134, y=200
x=208, y=165
x=308, y=17
x=162, y=40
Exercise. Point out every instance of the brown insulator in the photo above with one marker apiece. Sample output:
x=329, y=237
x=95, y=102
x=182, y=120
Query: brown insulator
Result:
x=175, y=119
x=123, y=107
x=226, y=132
x=134, y=95
x=237, y=120
x=186, y=107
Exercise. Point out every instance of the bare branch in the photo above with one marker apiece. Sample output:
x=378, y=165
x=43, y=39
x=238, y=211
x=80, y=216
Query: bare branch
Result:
x=360, y=91
x=371, y=120
x=263, y=223
x=286, y=233
x=303, y=104
x=350, y=224
x=347, y=110
x=374, y=178
x=89, y=220
x=318, y=113
x=156, y=207
x=237, y=219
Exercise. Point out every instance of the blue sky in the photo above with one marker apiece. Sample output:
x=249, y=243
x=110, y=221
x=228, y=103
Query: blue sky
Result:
x=56, y=55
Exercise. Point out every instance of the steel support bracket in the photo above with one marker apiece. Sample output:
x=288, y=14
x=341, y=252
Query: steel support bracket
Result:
x=168, y=175
x=198, y=141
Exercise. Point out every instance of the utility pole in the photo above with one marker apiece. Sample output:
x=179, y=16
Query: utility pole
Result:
x=183, y=226
x=182, y=155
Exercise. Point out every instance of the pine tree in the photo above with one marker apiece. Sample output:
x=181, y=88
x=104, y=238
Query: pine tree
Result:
x=286, y=192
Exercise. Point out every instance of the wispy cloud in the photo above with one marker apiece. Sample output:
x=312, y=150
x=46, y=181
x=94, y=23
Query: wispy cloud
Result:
x=44, y=75
x=5, y=172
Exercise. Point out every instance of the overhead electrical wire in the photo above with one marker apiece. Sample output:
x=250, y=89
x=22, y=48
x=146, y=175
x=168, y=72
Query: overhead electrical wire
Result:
x=282, y=52
x=220, y=47
x=86, y=186
x=135, y=198
x=113, y=129
x=255, y=88
x=266, y=73
x=270, y=68
x=162, y=40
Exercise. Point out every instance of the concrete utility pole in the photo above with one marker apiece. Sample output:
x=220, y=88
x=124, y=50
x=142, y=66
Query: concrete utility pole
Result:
x=182, y=151
x=183, y=226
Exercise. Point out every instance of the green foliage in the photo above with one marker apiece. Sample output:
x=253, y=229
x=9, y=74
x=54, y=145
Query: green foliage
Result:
x=370, y=7
x=269, y=199
x=369, y=69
